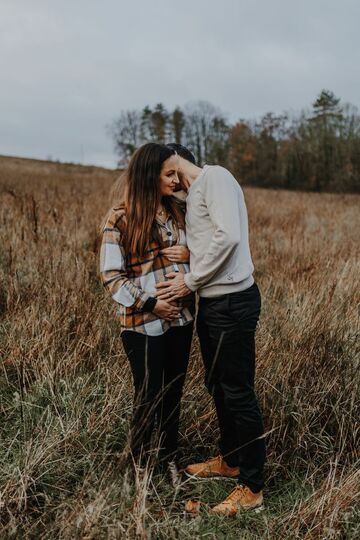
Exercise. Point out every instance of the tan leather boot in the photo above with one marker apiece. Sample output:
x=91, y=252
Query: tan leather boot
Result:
x=213, y=467
x=241, y=497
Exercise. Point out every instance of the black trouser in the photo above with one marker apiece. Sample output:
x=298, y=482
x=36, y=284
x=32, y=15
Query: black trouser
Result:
x=226, y=327
x=158, y=365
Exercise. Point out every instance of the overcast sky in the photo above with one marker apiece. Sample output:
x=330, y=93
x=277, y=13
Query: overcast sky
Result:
x=69, y=67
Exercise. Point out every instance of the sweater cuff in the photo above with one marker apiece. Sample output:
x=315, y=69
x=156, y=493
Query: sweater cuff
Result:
x=149, y=304
x=141, y=300
x=190, y=282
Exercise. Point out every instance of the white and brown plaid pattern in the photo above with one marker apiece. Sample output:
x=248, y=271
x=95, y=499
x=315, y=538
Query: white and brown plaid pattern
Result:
x=131, y=280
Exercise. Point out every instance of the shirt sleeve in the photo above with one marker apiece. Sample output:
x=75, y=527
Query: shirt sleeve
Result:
x=221, y=196
x=113, y=271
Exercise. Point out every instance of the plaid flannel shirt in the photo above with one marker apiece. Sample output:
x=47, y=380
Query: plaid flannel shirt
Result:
x=131, y=279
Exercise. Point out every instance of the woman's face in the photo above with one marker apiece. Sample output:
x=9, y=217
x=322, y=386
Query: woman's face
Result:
x=169, y=176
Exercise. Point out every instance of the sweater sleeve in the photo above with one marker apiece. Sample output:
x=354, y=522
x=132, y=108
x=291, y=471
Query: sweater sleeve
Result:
x=113, y=271
x=221, y=196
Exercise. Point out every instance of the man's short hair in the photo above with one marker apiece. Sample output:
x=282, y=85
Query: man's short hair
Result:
x=183, y=152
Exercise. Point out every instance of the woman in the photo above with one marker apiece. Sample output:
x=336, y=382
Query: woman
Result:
x=143, y=240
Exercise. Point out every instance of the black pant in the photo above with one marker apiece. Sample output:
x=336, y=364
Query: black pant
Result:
x=158, y=365
x=226, y=327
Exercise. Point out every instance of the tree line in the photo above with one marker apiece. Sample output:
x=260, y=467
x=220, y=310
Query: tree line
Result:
x=317, y=149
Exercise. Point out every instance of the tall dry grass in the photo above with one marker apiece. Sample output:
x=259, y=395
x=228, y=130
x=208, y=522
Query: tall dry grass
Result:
x=66, y=390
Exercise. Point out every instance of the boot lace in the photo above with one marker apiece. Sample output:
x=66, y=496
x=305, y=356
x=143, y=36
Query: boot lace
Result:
x=234, y=495
x=215, y=459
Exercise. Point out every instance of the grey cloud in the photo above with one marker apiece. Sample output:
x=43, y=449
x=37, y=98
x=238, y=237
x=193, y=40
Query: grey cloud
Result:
x=69, y=68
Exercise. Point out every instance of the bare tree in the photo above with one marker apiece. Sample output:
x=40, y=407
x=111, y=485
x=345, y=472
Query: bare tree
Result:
x=317, y=149
x=203, y=123
x=126, y=134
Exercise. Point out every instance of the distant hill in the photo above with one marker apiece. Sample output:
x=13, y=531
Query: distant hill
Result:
x=24, y=175
x=37, y=165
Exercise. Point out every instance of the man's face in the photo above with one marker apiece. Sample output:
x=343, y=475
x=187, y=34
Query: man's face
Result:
x=181, y=175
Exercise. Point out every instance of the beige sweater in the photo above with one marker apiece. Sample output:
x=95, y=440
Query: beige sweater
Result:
x=217, y=235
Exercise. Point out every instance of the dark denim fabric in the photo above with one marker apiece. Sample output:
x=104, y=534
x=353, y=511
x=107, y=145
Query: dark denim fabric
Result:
x=158, y=365
x=226, y=328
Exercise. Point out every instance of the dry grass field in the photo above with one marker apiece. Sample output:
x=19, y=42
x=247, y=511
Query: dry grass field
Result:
x=65, y=387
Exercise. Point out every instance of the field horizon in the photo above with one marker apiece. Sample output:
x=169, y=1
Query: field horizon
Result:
x=65, y=386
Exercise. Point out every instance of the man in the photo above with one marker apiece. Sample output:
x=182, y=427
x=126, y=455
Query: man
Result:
x=229, y=307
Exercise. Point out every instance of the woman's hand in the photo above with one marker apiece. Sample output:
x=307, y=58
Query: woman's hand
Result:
x=165, y=310
x=178, y=253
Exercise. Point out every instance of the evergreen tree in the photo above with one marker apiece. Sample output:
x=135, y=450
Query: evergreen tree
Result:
x=177, y=125
x=314, y=150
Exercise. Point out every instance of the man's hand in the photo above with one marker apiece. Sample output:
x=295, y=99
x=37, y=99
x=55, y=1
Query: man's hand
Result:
x=172, y=289
x=177, y=253
x=165, y=310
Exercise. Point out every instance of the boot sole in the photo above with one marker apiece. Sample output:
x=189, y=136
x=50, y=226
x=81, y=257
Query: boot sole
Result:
x=205, y=478
x=253, y=509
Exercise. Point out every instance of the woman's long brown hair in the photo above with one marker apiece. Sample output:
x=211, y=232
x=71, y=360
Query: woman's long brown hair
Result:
x=142, y=198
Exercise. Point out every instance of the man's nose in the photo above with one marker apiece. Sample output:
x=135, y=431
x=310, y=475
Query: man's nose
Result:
x=177, y=181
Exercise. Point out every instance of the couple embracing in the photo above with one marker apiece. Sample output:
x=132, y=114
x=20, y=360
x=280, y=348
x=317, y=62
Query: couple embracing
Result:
x=157, y=252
